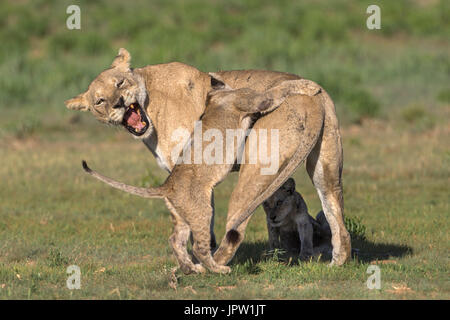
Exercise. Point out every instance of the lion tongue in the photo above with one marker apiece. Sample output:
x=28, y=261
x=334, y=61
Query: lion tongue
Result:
x=135, y=121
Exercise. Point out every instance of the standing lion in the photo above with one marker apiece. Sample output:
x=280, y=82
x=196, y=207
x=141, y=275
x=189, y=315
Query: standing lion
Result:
x=169, y=96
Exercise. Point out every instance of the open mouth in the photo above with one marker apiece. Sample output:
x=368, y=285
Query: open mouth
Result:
x=135, y=120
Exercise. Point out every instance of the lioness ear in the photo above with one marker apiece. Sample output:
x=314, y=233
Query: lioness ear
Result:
x=290, y=185
x=122, y=60
x=217, y=82
x=78, y=103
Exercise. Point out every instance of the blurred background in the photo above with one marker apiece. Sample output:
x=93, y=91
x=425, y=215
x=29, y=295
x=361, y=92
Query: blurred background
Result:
x=400, y=71
x=392, y=92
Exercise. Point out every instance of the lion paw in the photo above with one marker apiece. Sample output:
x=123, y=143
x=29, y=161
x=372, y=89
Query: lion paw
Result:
x=222, y=269
x=198, y=268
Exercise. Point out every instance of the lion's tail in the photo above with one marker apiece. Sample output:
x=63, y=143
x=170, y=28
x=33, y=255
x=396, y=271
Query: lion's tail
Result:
x=312, y=133
x=142, y=192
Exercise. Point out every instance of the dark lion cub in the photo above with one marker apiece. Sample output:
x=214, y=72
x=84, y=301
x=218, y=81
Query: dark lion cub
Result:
x=290, y=226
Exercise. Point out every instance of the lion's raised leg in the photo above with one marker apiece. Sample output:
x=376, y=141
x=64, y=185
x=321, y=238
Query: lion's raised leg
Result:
x=324, y=166
x=299, y=126
x=243, y=193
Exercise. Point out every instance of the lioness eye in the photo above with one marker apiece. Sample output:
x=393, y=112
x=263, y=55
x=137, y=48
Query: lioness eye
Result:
x=120, y=83
x=99, y=101
x=279, y=202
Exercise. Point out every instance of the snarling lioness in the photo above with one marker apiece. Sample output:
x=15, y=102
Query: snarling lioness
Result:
x=153, y=101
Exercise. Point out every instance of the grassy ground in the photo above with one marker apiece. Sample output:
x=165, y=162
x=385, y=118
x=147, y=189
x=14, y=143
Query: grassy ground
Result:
x=391, y=89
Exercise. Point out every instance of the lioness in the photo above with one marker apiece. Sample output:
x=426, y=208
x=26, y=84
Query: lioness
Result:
x=174, y=95
x=186, y=191
x=290, y=226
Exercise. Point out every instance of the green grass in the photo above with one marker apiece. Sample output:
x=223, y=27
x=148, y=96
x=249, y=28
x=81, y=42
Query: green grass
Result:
x=391, y=93
x=53, y=216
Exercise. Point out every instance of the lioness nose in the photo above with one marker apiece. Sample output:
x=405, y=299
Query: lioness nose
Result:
x=120, y=103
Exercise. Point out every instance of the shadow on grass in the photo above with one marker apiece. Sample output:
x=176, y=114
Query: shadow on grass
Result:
x=369, y=251
x=363, y=251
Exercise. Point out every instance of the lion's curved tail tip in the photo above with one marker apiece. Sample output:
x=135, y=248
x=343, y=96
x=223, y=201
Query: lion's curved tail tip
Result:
x=233, y=236
x=85, y=166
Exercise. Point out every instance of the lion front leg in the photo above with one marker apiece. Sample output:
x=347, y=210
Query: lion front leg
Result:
x=305, y=232
x=274, y=237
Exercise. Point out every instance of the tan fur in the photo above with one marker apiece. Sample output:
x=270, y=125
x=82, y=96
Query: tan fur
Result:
x=173, y=95
x=189, y=188
x=308, y=128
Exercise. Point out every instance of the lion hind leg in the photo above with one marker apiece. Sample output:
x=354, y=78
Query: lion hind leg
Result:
x=197, y=215
x=312, y=131
x=263, y=186
x=202, y=251
x=202, y=242
x=178, y=241
x=324, y=166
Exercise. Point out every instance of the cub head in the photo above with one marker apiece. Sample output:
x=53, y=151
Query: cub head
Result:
x=117, y=96
x=281, y=203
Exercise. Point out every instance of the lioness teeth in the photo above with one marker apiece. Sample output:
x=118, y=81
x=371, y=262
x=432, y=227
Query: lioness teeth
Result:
x=143, y=123
x=132, y=106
